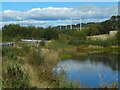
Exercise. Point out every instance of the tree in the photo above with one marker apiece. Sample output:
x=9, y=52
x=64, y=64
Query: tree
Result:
x=49, y=33
x=92, y=30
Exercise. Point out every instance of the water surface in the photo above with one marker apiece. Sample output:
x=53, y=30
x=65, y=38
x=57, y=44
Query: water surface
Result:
x=91, y=70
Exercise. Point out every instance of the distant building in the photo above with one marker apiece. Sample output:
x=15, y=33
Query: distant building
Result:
x=113, y=33
x=30, y=40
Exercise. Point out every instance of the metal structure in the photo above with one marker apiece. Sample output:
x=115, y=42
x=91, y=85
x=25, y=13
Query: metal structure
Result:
x=8, y=44
x=78, y=19
x=71, y=22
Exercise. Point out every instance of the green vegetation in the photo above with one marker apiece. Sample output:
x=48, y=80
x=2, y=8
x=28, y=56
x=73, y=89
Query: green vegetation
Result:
x=13, y=75
x=118, y=38
x=65, y=38
x=56, y=44
x=26, y=65
x=63, y=83
x=31, y=70
x=13, y=32
x=66, y=56
x=113, y=86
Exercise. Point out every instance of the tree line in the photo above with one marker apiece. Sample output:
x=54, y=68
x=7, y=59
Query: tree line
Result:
x=17, y=32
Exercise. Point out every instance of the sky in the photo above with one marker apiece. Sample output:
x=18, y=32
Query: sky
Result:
x=56, y=13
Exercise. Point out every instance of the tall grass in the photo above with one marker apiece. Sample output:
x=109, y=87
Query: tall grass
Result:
x=13, y=75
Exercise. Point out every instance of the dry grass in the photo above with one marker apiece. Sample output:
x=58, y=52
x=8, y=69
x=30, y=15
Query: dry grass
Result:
x=41, y=75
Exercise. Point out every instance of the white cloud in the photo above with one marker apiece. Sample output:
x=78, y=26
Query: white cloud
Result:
x=47, y=23
x=37, y=16
x=98, y=11
x=8, y=15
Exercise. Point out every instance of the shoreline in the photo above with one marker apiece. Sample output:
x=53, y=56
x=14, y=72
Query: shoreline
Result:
x=87, y=50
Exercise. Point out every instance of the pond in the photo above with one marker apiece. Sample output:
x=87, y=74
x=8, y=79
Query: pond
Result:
x=91, y=70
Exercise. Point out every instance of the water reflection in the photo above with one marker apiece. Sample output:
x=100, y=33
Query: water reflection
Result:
x=91, y=70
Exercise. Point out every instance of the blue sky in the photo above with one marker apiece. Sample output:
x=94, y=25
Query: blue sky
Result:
x=55, y=13
x=29, y=5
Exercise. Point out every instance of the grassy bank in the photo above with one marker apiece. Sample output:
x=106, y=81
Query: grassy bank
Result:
x=32, y=66
x=67, y=51
x=27, y=66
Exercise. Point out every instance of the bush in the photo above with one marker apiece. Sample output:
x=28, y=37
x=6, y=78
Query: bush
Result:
x=14, y=77
x=42, y=43
x=103, y=43
x=77, y=42
x=26, y=48
x=66, y=56
x=118, y=37
x=10, y=53
x=50, y=33
x=35, y=57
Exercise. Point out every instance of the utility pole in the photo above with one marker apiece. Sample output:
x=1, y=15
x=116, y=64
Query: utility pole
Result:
x=66, y=26
x=80, y=24
x=66, y=23
x=71, y=23
x=60, y=27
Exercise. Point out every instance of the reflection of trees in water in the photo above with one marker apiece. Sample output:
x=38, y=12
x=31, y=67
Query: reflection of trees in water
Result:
x=110, y=60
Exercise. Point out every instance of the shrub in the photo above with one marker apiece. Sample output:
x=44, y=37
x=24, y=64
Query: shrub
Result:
x=118, y=37
x=10, y=53
x=35, y=57
x=25, y=48
x=42, y=43
x=14, y=77
x=66, y=56
x=77, y=42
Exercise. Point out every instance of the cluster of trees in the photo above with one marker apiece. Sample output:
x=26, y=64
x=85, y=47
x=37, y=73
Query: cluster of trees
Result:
x=16, y=32
x=102, y=28
x=93, y=28
x=112, y=24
